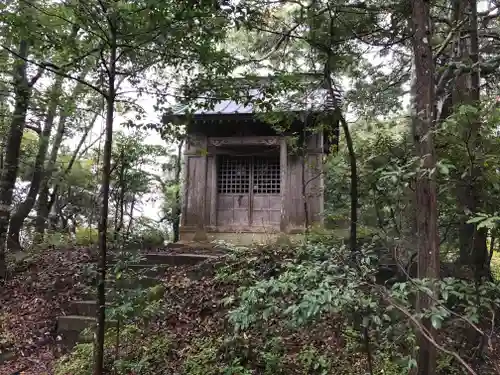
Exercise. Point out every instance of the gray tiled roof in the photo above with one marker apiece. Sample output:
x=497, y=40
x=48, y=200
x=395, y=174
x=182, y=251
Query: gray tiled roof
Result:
x=316, y=100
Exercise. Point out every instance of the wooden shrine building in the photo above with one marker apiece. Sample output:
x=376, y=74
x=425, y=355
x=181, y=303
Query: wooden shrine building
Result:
x=243, y=181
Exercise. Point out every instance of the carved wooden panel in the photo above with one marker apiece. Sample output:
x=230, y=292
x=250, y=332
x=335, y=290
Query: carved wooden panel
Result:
x=249, y=141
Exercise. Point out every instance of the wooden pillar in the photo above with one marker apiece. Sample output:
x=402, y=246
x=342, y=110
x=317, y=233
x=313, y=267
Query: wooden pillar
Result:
x=185, y=184
x=214, y=190
x=201, y=191
x=194, y=208
x=283, y=185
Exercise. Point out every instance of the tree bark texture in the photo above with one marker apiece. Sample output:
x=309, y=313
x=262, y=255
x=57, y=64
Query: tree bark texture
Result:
x=426, y=195
x=24, y=208
x=103, y=220
x=176, y=210
x=466, y=91
x=43, y=208
x=22, y=94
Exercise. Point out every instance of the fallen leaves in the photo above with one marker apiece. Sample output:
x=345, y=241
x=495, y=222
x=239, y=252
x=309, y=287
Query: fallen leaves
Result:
x=39, y=289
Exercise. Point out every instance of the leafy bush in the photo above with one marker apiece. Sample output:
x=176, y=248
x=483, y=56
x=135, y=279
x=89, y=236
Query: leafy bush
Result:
x=495, y=265
x=79, y=362
x=54, y=240
x=85, y=236
x=308, y=289
x=149, y=358
x=309, y=309
x=202, y=358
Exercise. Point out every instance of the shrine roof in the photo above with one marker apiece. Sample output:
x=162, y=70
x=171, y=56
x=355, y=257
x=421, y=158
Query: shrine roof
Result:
x=317, y=100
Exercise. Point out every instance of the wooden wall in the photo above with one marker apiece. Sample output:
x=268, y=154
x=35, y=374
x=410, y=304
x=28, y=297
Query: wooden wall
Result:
x=200, y=185
x=308, y=172
x=194, y=207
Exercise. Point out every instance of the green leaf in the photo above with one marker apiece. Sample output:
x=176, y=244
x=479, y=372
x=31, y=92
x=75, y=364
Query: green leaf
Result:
x=476, y=219
x=444, y=294
x=436, y=321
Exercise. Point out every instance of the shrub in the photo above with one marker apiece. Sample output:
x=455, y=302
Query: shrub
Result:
x=85, y=236
x=149, y=358
x=495, y=266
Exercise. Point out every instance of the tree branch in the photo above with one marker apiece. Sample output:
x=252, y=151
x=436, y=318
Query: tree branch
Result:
x=447, y=40
x=427, y=335
x=54, y=69
x=36, y=129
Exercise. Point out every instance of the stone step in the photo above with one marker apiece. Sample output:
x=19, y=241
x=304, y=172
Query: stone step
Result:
x=68, y=323
x=148, y=270
x=129, y=282
x=133, y=283
x=176, y=259
x=68, y=339
x=84, y=308
x=70, y=329
x=123, y=285
x=7, y=356
x=87, y=307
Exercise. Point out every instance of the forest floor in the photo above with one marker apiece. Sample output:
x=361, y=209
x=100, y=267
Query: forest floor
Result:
x=42, y=286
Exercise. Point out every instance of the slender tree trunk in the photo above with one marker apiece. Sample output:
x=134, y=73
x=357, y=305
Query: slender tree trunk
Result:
x=43, y=196
x=115, y=219
x=353, y=236
x=24, y=208
x=131, y=216
x=78, y=153
x=426, y=196
x=122, y=208
x=74, y=157
x=106, y=178
x=176, y=211
x=22, y=94
x=353, y=225
x=120, y=197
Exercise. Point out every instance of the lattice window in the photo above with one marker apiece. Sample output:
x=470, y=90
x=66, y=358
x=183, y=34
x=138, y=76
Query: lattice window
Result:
x=234, y=175
x=266, y=175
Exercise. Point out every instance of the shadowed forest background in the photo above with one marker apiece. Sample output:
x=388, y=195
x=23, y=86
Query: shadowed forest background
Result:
x=402, y=278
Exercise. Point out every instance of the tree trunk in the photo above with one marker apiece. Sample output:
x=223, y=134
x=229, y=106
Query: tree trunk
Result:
x=77, y=153
x=103, y=222
x=426, y=196
x=24, y=208
x=480, y=258
x=176, y=210
x=473, y=247
x=22, y=94
x=43, y=197
x=131, y=216
x=120, y=196
x=353, y=225
x=74, y=157
x=353, y=232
